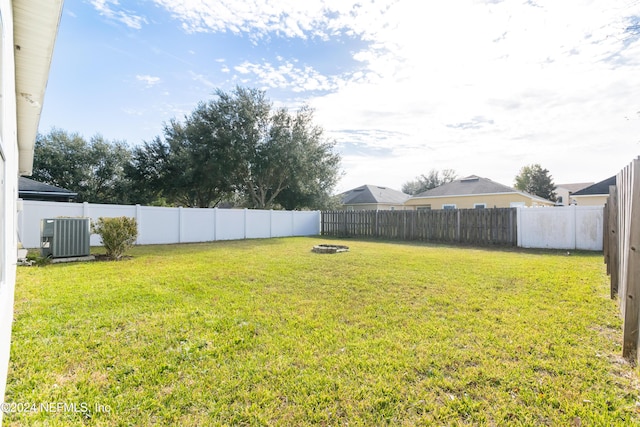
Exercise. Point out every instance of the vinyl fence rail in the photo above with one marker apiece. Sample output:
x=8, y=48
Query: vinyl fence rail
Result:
x=622, y=252
x=160, y=225
x=469, y=226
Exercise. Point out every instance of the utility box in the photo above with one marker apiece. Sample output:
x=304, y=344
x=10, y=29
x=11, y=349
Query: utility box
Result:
x=65, y=237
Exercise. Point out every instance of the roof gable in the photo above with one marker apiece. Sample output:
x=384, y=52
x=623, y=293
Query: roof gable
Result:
x=373, y=194
x=470, y=185
x=599, y=188
x=573, y=187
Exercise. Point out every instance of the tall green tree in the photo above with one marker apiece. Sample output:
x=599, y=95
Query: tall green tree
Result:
x=238, y=145
x=535, y=180
x=192, y=165
x=95, y=169
x=426, y=182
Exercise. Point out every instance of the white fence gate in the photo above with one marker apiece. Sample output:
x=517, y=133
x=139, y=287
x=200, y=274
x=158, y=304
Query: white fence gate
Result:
x=566, y=227
x=158, y=225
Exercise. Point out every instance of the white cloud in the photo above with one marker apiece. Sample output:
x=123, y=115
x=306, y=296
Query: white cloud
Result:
x=108, y=8
x=200, y=78
x=551, y=84
x=478, y=86
x=148, y=80
x=287, y=75
x=290, y=18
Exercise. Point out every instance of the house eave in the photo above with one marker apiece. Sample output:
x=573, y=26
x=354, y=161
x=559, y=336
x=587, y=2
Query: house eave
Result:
x=35, y=28
x=46, y=193
x=579, y=196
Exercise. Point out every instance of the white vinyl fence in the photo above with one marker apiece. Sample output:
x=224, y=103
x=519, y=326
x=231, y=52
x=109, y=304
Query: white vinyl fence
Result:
x=158, y=225
x=566, y=227
x=570, y=227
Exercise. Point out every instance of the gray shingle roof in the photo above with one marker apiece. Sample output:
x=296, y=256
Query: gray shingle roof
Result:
x=598, y=188
x=29, y=186
x=373, y=194
x=467, y=186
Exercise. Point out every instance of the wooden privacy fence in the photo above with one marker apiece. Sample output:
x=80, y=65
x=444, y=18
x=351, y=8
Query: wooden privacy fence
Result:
x=621, y=244
x=470, y=226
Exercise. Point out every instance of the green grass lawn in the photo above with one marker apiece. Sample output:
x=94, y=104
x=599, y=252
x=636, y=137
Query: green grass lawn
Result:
x=265, y=332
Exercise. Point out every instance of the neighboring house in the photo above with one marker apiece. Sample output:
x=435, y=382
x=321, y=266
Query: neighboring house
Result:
x=594, y=195
x=473, y=192
x=28, y=30
x=29, y=189
x=373, y=197
x=564, y=191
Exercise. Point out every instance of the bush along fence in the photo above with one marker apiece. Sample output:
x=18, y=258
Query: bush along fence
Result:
x=469, y=226
x=621, y=245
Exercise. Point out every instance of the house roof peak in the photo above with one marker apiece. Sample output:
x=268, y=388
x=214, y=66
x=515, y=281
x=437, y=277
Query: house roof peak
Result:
x=373, y=194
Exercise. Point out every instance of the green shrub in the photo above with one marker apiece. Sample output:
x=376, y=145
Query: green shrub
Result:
x=117, y=234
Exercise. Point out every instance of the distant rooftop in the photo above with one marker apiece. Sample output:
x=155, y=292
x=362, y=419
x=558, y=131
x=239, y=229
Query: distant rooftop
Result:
x=28, y=189
x=373, y=194
x=599, y=188
x=572, y=188
x=469, y=185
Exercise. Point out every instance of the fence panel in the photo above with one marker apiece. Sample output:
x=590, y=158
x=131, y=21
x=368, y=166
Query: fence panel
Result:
x=281, y=224
x=197, y=225
x=622, y=253
x=30, y=236
x=158, y=225
x=473, y=226
x=306, y=223
x=567, y=227
x=258, y=224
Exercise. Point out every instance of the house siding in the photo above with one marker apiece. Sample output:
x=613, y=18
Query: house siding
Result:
x=591, y=200
x=468, y=201
x=8, y=186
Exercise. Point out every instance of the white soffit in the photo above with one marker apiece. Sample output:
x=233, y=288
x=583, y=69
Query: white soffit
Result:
x=35, y=26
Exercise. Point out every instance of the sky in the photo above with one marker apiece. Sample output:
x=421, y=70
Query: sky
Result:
x=483, y=87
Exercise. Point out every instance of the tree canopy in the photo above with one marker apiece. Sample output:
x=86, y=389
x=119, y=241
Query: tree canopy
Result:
x=94, y=169
x=236, y=148
x=433, y=179
x=535, y=180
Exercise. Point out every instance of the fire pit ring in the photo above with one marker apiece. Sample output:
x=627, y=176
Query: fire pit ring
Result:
x=329, y=249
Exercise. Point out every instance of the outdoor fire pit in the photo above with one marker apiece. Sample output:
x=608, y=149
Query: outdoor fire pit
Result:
x=329, y=249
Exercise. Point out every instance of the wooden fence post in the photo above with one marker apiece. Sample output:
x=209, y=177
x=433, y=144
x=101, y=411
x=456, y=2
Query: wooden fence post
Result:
x=344, y=223
x=613, y=247
x=632, y=294
x=605, y=234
